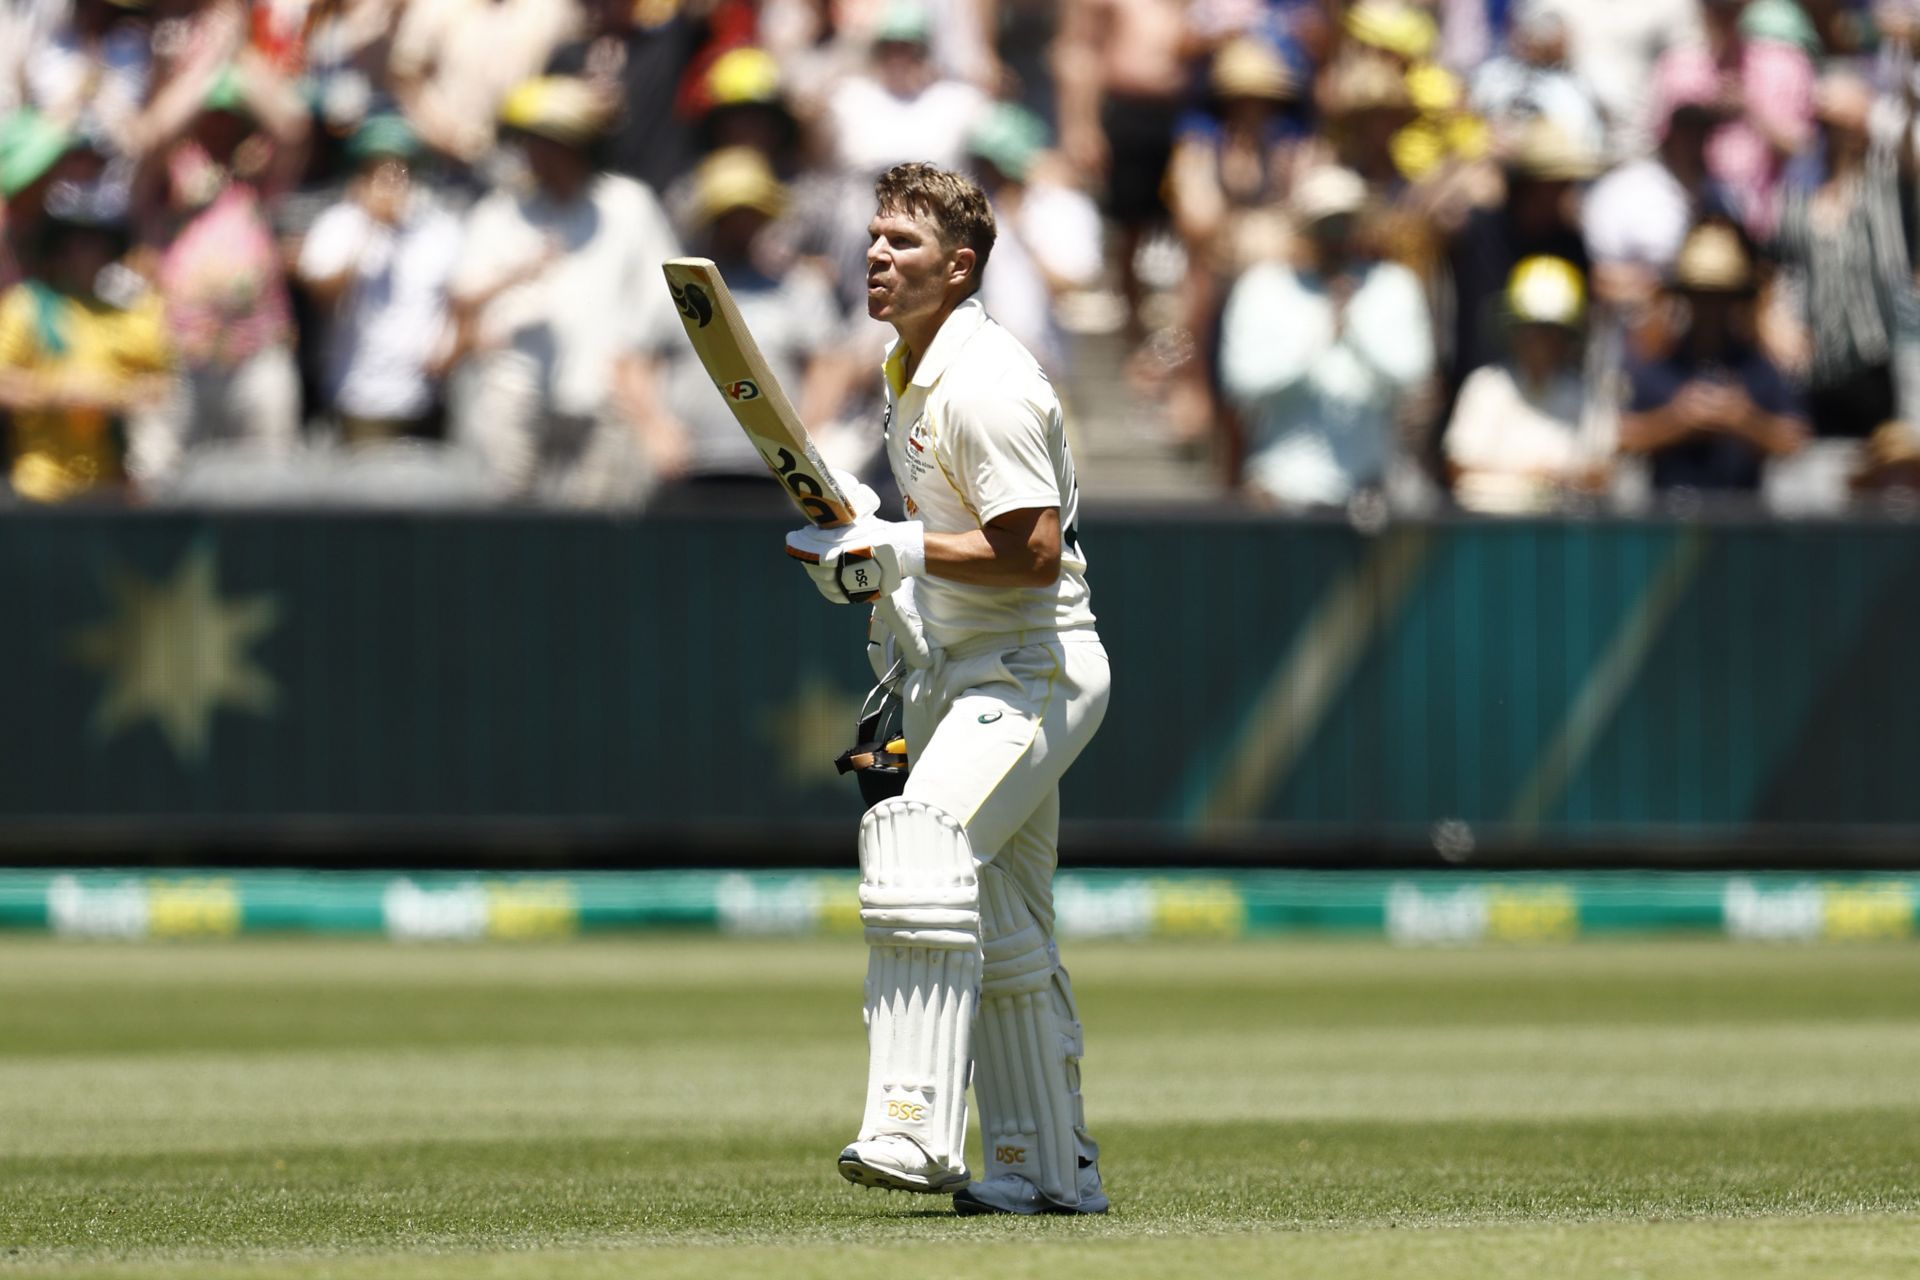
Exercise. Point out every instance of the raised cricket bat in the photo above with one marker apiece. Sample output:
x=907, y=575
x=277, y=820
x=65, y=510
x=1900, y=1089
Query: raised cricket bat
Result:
x=740, y=373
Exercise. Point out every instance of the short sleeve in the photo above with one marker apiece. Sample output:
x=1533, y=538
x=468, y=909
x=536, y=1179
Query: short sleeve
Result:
x=1472, y=433
x=333, y=243
x=994, y=446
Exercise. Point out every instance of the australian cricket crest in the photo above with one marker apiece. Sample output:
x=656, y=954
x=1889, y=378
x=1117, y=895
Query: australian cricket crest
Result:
x=918, y=450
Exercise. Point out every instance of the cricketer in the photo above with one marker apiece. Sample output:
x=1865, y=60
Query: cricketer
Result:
x=956, y=893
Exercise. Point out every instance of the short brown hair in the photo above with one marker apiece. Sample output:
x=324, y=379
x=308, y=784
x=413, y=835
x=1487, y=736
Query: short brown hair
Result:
x=952, y=202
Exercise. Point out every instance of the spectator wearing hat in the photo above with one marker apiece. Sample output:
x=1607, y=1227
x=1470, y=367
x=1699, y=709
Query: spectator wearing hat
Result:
x=1539, y=216
x=1525, y=431
x=1443, y=131
x=221, y=271
x=1234, y=161
x=454, y=62
x=1849, y=244
x=902, y=108
x=81, y=346
x=1232, y=168
x=789, y=309
x=1637, y=216
x=745, y=106
x=899, y=109
x=378, y=263
x=637, y=56
x=1365, y=104
x=1711, y=412
x=558, y=306
x=1049, y=230
x=1320, y=353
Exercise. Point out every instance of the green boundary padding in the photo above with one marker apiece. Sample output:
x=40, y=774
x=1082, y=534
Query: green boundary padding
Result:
x=1424, y=907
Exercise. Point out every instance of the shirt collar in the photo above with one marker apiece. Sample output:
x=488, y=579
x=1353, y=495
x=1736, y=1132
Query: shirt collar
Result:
x=965, y=320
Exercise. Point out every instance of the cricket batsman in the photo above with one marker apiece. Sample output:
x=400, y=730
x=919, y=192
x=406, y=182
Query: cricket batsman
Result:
x=956, y=891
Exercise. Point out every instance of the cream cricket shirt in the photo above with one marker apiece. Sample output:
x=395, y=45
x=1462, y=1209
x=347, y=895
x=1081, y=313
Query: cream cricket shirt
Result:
x=976, y=433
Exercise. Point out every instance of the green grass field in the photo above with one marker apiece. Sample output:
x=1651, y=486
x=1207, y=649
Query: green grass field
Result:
x=671, y=1107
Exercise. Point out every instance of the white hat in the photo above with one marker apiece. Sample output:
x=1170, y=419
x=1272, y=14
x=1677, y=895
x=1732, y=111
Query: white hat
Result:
x=1327, y=192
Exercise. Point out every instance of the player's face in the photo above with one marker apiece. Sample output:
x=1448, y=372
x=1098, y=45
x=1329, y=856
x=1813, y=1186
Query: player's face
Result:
x=907, y=268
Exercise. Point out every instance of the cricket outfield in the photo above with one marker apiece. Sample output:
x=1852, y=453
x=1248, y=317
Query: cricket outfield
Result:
x=672, y=1106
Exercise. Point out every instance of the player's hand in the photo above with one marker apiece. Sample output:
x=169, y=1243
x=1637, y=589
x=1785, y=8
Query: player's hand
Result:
x=862, y=561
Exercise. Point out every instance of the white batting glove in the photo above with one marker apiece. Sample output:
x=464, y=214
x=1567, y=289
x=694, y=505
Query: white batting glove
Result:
x=862, y=561
x=860, y=497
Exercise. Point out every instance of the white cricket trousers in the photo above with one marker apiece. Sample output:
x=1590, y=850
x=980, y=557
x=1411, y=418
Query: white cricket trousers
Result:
x=989, y=734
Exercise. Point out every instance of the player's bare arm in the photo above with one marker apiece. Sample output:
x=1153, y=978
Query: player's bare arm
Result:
x=1014, y=549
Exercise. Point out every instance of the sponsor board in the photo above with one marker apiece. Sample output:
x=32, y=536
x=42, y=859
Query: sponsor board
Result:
x=1417, y=916
x=472, y=909
x=153, y=908
x=1818, y=912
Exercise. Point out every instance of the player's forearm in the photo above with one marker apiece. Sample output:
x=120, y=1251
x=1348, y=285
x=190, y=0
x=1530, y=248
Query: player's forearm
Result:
x=994, y=558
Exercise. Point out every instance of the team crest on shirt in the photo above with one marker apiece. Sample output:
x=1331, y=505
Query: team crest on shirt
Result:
x=918, y=453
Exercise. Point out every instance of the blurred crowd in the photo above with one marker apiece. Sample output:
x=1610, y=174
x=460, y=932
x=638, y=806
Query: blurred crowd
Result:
x=1387, y=255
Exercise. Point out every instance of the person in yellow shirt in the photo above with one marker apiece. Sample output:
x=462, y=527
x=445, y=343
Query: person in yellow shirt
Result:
x=82, y=344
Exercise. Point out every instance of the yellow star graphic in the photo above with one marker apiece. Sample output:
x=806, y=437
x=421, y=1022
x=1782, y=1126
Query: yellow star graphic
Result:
x=810, y=729
x=176, y=651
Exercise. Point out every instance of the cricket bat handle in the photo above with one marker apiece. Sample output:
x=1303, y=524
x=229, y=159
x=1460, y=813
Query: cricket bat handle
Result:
x=907, y=632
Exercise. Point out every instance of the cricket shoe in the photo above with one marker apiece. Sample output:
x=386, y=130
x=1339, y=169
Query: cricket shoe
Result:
x=898, y=1163
x=1013, y=1193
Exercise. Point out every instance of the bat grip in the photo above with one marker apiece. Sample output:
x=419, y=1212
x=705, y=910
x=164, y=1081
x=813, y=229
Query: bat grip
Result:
x=906, y=632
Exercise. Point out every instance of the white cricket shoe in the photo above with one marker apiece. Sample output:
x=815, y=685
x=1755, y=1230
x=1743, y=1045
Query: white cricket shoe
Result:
x=898, y=1163
x=1012, y=1193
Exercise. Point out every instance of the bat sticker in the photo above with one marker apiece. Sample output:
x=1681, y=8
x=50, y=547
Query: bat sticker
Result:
x=741, y=389
x=693, y=302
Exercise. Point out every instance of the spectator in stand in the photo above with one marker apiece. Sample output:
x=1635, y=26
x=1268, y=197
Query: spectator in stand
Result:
x=92, y=75
x=1525, y=431
x=1442, y=133
x=379, y=262
x=1756, y=67
x=902, y=109
x=1540, y=217
x=637, y=56
x=1232, y=169
x=1531, y=81
x=745, y=107
x=1049, y=231
x=1364, y=104
x=1612, y=47
x=1709, y=414
x=33, y=150
x=1121, y=81
x=220, y=272
x=899, y=110
x=82, y=344
x=1637, y=216
x=1849, y=240
x=1319, y=354
x=789, y=309
x=455, y=60
x=558, y=302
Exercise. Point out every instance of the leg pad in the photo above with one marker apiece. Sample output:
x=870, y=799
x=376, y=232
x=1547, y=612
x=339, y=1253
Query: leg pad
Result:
x=920, y=904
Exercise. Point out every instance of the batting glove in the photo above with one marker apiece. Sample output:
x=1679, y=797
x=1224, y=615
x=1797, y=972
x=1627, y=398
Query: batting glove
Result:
x=861, y=561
